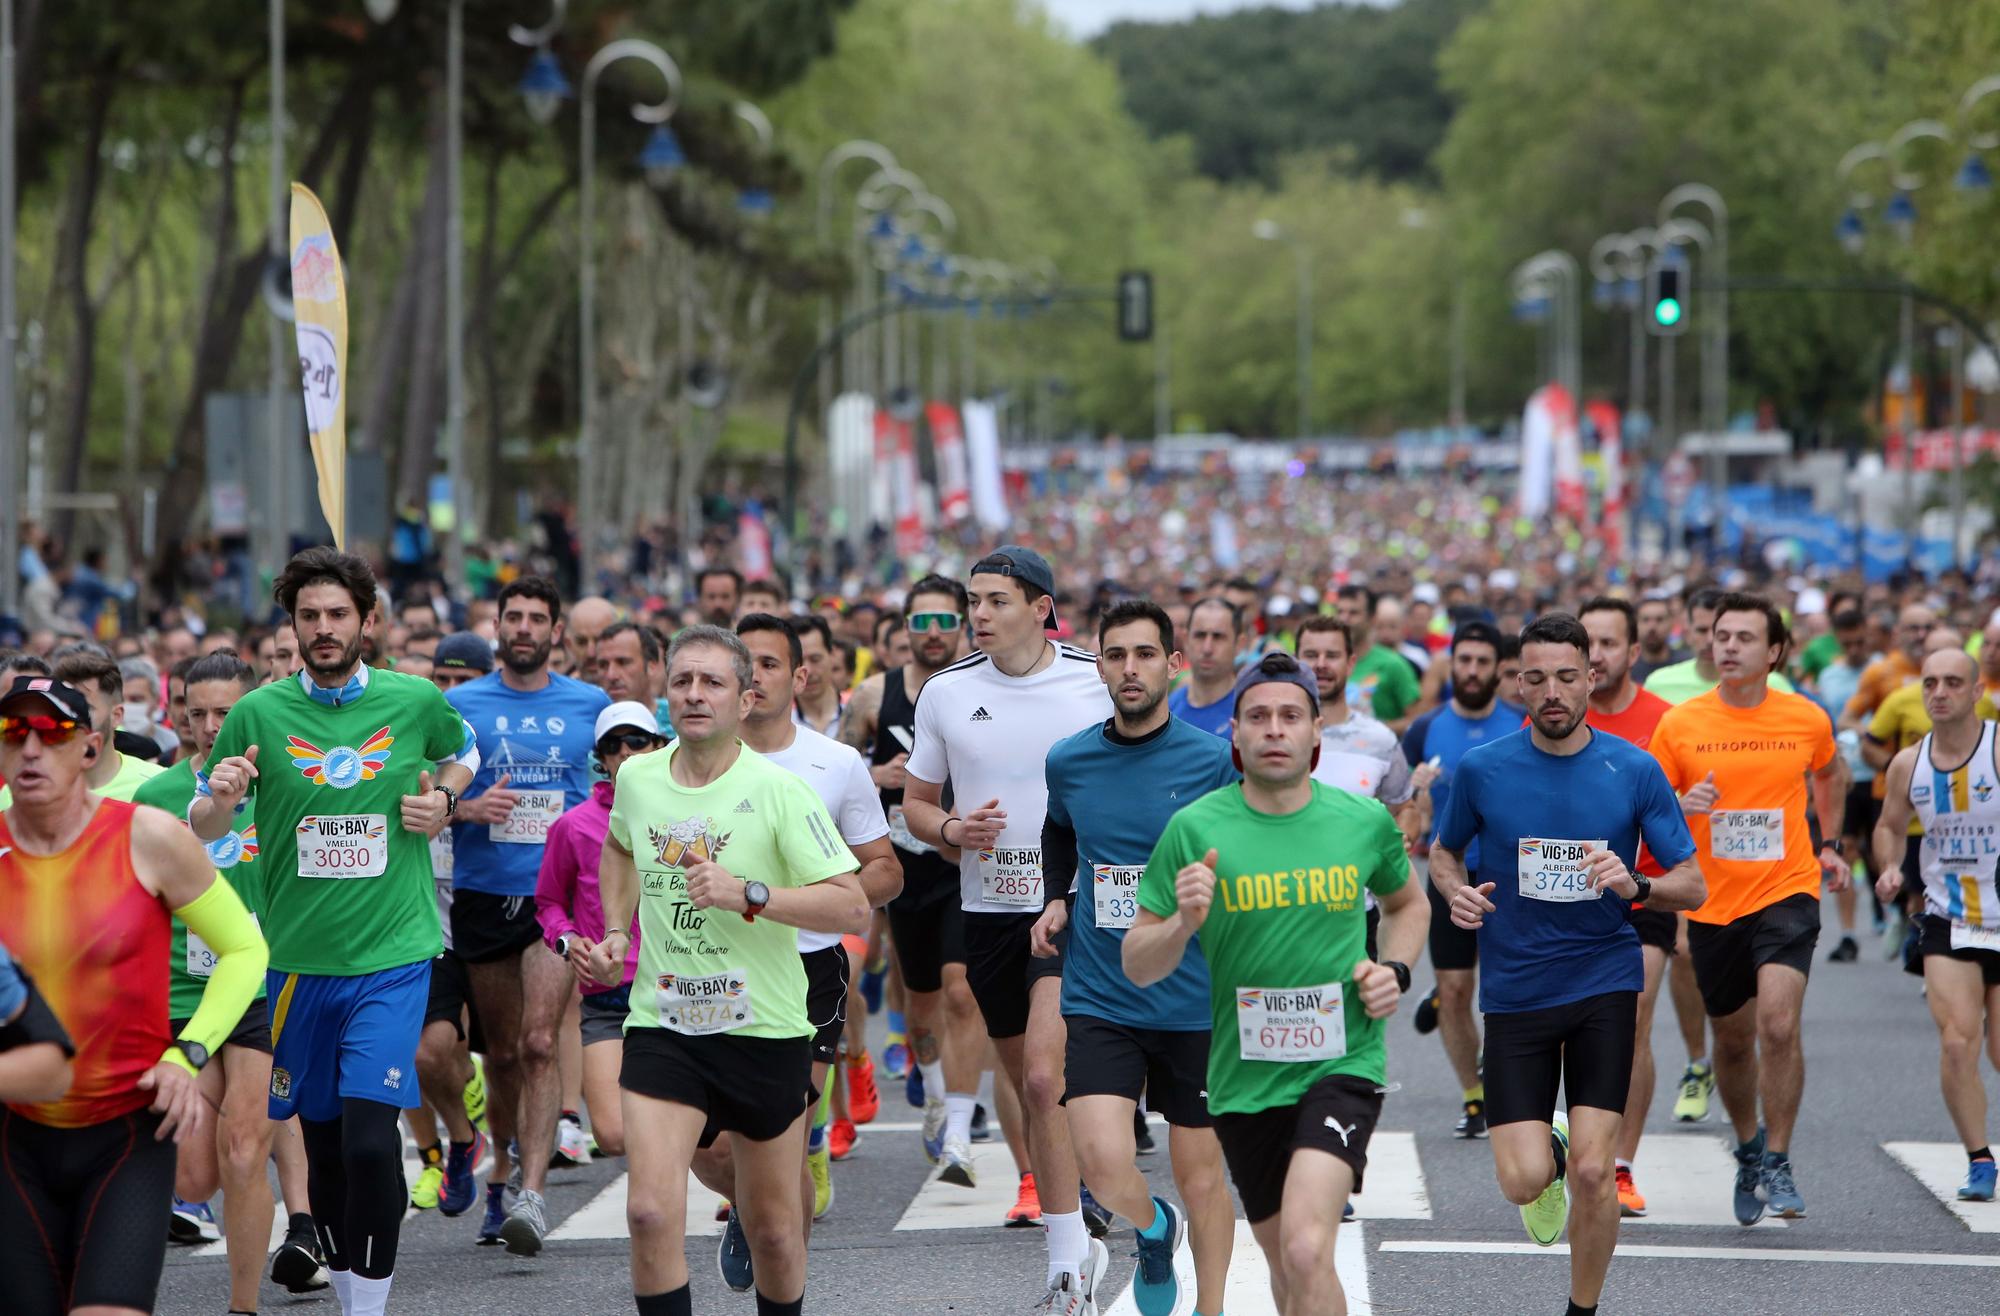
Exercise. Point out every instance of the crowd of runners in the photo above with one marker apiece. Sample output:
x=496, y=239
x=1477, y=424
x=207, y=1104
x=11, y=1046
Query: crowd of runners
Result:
x=532, y=879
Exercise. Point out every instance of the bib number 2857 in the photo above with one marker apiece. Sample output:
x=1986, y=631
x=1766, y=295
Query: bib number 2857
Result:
x=1011, y=875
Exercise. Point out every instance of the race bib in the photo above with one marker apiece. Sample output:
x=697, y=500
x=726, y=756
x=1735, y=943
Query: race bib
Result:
x=1114, y=891
x=1289, y=1024
x=1970, y=936
x=1011, y=877
x=201, y=961
x=902, y=837
x=1556, y=870
x=711, y=1003
x=343, y=845
x=1747, y=835
x=534, y=813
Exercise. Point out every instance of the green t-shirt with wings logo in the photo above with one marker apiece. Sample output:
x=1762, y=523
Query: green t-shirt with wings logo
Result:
x=234, y=857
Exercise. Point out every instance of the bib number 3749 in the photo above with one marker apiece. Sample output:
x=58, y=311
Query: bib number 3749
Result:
x=1288, y=1024
x=343, y=845
x=1556, y=870
x=1011, y=875
x=707, y=1003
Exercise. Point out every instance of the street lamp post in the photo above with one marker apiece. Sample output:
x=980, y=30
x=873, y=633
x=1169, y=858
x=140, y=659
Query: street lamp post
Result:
x=1553, y=275
x=1271, y=231
x=10, y=456
x=1715, y=322
x=829, y=168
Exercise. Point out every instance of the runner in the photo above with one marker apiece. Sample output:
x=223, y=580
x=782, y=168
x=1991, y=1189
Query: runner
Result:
x=1440, y=738
x=1741, y=756
x=1112, y=789
x=88, y=890
x=818, y=705
x=1559, y=814
x=1947, y=781
x=716, y=591
x=1838, y=680
x=1357, y=753
x=1215, y=636
x=350, y=908
x=534, y=728
x=1270, y=874
x=1655, y=617
x=1697, y=675
x=91, y=670
x=589, y=618
x=986, y=725
x=719, y=1040
x=1380, y=680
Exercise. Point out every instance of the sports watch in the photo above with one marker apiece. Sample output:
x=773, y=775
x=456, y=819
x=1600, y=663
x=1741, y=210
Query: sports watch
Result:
x=195, y=1052
x=450, y=800
x=1402, y=972
x=1645, y=891
x=755, y=896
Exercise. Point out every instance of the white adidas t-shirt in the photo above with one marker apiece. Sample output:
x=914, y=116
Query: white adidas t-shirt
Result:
x=840, y=778
x=989, y=735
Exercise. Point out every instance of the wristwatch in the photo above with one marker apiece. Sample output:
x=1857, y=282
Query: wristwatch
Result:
x=1402, y=972
x=450, y=800
x=562, y=945
x=755, y=896
x=1645, y=891
x=195, y=1052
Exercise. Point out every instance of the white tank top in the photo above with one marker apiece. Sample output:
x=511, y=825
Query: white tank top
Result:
x=1960, y=811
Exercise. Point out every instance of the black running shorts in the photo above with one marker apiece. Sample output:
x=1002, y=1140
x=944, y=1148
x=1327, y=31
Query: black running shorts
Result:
x=1335, y=1115
x=755, y=1086
x=1937, y=941
x=486, y=927
x=1726, y=956
x=1656, y=927
x=1452, y=947
x=1170, y=1068
x=1584, y=1046
x=451, y=1001
x=927, y=937
x=826, y=1000
x=252, y=1031
x=1001, y=968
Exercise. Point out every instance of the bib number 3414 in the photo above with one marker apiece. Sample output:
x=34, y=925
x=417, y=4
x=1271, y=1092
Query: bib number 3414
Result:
x=1287, y=1024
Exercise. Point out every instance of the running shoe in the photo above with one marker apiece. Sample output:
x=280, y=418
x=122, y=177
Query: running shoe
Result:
x=840, y=1139
x=1155, y=1287
x=896, y=1056
x=426, y=1191
x=1979, y=1183
x=1142, y=1134
x=1697, y=1083
x=1074, y=1292
x=1848, y=951
x=1776, y=1189
x=526, y=1225
x=1027, y=1209
x=572, y=1143
x=1472, y=1124
x=822, y=1176
x=461, y=1175
x=496, y=1214
x=192, y=1222
x=957, y=1161
x=722, y=1209
x=1547, y=1214
x=1427, y=1012
x=1630, y=1203
x=871, y=984
x=913, y=1088
x=475, y=1093
x=1095, y=1218
x=1894, y=926
x=514, y=1176
x=296, y=1265
x=732, y=1257
x=1748, y=1202
x=1346, y=1212
x=864, y=1100
x=936, y=1115
x=981, y=1130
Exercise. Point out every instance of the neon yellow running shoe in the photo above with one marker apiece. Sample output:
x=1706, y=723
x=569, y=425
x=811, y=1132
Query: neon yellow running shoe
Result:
x=475, y=1094
x=1547, y=1214
x=820, y=1163
x=424, y=1192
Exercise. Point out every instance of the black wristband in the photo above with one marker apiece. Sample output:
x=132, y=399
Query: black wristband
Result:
x=942, y=838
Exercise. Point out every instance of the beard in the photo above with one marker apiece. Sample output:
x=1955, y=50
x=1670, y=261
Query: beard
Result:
x=1476, y=695
x=1559, y=726
x=349, y=655
x=1139, y=712
x=533, y=661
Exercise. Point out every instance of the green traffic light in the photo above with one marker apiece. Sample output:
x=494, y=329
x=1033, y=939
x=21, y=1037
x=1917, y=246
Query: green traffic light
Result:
x=1667, y=311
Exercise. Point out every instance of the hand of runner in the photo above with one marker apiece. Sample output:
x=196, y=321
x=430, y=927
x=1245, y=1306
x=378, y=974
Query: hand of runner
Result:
x=177, y=1098
x=1839, y=876
x=491, y=805
x=1609, y=873
x=1379, y=992
x=890, y=776
x=580, y=948
x=1888, y=885
x=1701, y=797
x=229, y=781
x=1426, y=774
x=979, y=829
x=1470, y=906
x=1194, y=891
x=606, y=969
x=426, y=812
x=1042, y=936
x=711, y=886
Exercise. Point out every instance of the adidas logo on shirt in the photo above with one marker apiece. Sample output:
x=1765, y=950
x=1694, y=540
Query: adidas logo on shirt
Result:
x=743, y=806
x=980, y=714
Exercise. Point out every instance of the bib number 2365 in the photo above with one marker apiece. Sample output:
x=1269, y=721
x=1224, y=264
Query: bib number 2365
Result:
x=1291, y=1023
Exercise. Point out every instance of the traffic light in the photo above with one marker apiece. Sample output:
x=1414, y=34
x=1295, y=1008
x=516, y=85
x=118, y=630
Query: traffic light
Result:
x=1135, y=306
x=1666, y=296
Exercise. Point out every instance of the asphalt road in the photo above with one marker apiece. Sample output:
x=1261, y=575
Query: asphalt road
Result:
x=1436, y=1236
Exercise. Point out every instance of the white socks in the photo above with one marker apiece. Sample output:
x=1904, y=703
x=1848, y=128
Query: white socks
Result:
x=368, y=1297
x=933, y=1080
x=1069, y=1241
x=958, y=1115
x=342, y=1288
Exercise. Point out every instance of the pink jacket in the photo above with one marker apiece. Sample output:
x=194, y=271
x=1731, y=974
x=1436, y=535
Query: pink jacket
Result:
x=566, y=898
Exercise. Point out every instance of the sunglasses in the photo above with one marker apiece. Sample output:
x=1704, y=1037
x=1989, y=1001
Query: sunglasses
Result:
x=52, y=730
x=632, y=740
x=922, y=622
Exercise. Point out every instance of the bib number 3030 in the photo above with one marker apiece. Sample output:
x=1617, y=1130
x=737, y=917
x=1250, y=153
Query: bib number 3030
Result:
x=1287, y=1024
x=707, y=1003
x=1556, y=870
x=343, y=845
x=1114, y=892
x=1747, y=835
x=1011, y=875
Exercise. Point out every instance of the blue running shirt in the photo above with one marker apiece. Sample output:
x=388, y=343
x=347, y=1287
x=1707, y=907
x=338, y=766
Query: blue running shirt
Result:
x=1213, y=718
x=1446, y=734
x=542, y=739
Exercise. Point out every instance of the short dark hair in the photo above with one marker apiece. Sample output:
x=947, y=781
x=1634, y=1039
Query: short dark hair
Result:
x=1477, y=632
x=179, y=671
x=1126, y=611
x=1561, y=628
x=1331, y=625
x=422, y=633
x=735, y=577
x=649, y=639
x=1704, y=597
x=1775, y=630
x=1217, y=601
x=812, y=621
x=1355, y=590
x=1241, y=582
x=530, y=587
x=25, y=664
x=936, y=584
x=886, y=627
x=321, y=565
x=85, y=664
x=222, y=665
x=760, y=622
x=1850, y=619
x=764, y=585
x=1606, y=603
x=1510, y=647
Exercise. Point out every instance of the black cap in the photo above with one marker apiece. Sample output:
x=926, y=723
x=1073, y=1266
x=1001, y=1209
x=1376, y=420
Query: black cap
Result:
x=1024, y=565
x=463, y=651
x=62, y=698
x=1278, y=668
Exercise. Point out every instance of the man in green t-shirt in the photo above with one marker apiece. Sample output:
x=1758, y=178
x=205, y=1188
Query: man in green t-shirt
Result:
x=726, y=856
x=347, y=802
x=1271, y=873
x=1381, y=681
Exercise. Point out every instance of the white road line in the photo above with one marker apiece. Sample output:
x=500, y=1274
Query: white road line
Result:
x=939, y=1205
x=604, y=1215
x=1705, y=1253
x=1247, y=1290
x=1691, y=1184
x=1940, y=1167
x=1394, y=1187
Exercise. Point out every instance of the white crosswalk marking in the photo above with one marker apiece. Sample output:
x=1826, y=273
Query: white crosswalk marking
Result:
x=1689, y=1179
x=1393, y=1188
x=939, y=1205
x=1247, y=1290
x=1940, y=1167
x=604, y=1215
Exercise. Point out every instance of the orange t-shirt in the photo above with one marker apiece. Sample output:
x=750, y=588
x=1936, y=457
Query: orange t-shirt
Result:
x=1879, y=680
x=1755, y=848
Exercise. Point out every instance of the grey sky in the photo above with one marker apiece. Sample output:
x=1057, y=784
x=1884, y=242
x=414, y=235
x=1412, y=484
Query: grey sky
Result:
x=1086, y=18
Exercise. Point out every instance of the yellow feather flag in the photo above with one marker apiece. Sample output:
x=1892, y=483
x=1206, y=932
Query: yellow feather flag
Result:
x=319, y=303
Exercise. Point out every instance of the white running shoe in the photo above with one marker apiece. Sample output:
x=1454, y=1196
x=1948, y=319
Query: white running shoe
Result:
x=572, y=1143
x=958, y=1165
x=935, y=1117
x=1075, y=1292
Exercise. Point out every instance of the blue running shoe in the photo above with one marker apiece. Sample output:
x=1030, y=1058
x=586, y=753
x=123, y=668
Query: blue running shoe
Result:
x=1347, y=1212
x=913, y=1088
x=1155, y=1287
x=896, y=1058
x=1979, y=1182
x=1776, y=1189
x=732, y=1256
x=461, y=1175
x=496, y=1215
x=192, y=1222
x=1095, y=1218
x=1749, y=1178
x=871, y=986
